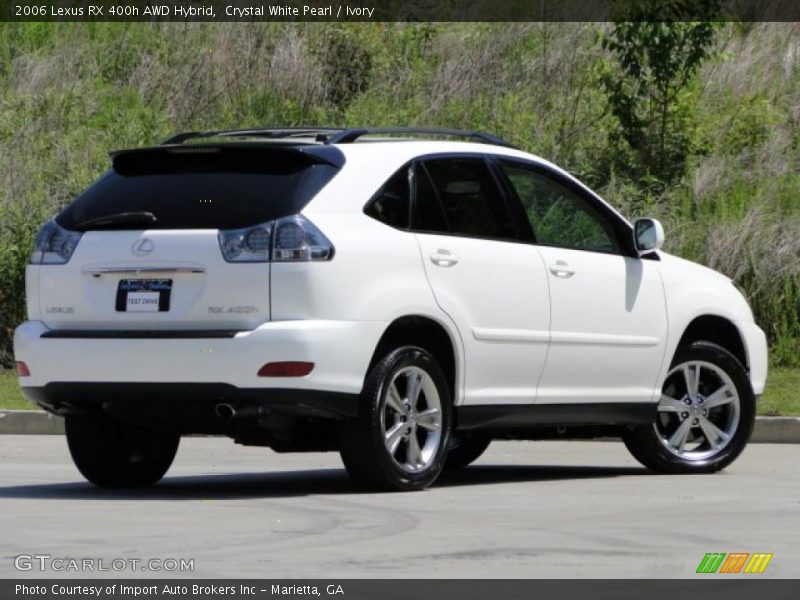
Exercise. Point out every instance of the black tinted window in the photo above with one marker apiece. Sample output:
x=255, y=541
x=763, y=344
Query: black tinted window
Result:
x=472, y=202
x=392, y=202
x=559, y=216
x=227, y=189
x=428, y=213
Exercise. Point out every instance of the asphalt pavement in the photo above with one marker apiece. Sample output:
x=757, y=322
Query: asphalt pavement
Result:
x=525, y=509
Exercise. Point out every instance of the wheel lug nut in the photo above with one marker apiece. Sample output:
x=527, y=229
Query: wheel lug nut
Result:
x=695, y=421
x=684, y=414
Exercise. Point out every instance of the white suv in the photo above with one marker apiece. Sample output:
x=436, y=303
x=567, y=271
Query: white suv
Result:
x=403, y=301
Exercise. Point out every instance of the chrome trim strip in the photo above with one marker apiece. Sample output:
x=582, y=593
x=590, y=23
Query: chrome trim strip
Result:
x=98, y=271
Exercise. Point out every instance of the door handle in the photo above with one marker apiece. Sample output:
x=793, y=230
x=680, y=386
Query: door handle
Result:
x=562, y=270
x=444, y=258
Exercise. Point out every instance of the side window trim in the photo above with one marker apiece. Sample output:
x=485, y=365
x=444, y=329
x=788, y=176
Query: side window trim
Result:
x=409, y=168
x=620, y=231
x=417, y=166
x=525, y=232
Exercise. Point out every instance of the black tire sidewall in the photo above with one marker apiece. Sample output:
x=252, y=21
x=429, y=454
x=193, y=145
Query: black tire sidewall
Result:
x=101, y=450
x=466, y=452
x=385, y=473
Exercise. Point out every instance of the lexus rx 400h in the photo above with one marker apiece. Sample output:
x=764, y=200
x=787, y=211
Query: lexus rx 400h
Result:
x=403, y=301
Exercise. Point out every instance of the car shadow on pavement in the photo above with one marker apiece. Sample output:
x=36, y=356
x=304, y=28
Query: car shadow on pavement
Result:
x=494, y=474
x=300, y=483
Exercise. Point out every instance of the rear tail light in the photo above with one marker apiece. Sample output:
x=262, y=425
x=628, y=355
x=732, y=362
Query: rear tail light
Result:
x=54, y=245
x=298, y=239
x=247, y=245
x=22, y=369
x=290, y=239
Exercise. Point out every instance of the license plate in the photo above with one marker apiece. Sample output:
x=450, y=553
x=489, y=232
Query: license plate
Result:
x=143, y=295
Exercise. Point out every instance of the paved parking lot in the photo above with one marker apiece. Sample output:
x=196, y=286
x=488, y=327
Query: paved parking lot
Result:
x=526, y=509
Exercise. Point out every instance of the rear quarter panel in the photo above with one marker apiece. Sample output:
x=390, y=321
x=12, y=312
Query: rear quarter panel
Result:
x=376, y=274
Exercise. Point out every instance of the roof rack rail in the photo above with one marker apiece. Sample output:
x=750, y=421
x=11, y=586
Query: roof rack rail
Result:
x=320, y=133
x=348, y=136
x=336, y=135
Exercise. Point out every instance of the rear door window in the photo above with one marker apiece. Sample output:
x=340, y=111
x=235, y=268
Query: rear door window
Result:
x=472, y=202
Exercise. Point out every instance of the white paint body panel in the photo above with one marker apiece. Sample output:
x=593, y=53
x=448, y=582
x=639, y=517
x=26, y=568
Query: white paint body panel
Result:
x=691, y=291
x=608, y=328
x=496, y=294
x=338, y=350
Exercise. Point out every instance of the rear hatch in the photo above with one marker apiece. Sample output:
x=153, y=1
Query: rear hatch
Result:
x=149, y=256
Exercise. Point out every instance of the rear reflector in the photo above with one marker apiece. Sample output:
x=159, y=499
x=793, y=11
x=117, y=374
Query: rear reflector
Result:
x=22, y=369
x=286, y=369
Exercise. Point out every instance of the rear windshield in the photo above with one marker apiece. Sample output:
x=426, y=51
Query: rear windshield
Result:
x=201, y=189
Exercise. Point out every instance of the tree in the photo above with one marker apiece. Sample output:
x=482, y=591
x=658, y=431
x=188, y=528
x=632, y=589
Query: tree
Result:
x=657, y=56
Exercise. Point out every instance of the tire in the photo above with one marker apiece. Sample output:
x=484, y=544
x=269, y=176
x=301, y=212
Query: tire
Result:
x=465, y=451
x=399, y=440
x=680, y=440
x=109, y=455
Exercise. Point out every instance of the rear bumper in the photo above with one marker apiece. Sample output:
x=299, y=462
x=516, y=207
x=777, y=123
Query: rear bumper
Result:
x=340, y=351
x=193, y=407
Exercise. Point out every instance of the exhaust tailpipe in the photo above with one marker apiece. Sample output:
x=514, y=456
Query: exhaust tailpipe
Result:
x=225, y=411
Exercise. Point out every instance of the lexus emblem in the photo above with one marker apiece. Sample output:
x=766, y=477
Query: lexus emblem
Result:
x=142, y=247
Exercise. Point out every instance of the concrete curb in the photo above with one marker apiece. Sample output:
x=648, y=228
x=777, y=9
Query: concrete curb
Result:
x=768, y=430
x=36, y=422
x=776, y=430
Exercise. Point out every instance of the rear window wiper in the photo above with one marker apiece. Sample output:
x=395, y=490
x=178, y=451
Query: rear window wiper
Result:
x=117, y=220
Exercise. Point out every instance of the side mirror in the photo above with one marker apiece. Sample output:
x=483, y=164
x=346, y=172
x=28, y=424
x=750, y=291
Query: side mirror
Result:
x=648, y=236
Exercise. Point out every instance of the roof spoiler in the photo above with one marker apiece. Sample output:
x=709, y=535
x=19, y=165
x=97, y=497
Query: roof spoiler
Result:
x=122, y=159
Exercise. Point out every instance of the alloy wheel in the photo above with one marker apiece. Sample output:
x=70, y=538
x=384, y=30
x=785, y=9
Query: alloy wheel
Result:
x=698, y=412
x=411, y=419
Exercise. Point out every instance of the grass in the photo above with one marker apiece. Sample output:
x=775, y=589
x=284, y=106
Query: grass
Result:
x=11, y=397
x=782, y=397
